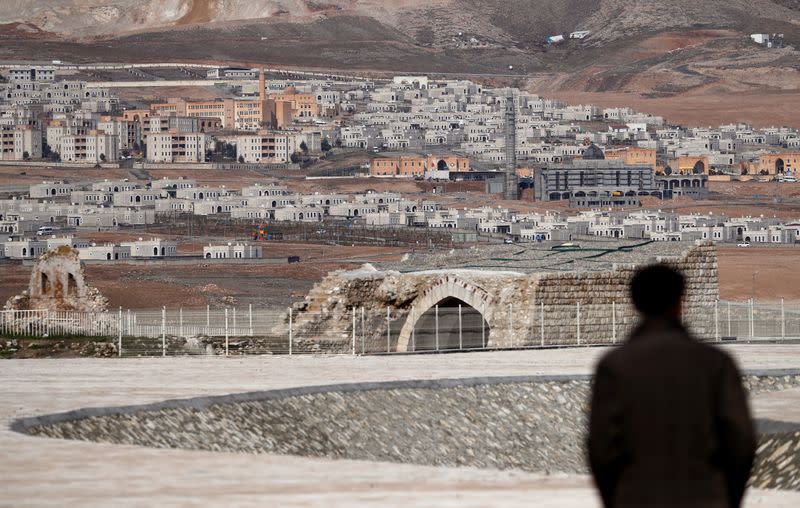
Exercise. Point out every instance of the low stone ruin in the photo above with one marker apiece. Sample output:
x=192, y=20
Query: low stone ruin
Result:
x=58, y=284
x=504, y=308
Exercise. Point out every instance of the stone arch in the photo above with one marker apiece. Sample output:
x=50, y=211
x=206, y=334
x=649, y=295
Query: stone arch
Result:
x=699, y=168
x=779, y=166
x=448, y=287
x=72, y=286
x=45, y=284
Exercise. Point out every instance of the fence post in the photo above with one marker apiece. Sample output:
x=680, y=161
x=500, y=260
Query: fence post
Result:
x=541, y=321
x=614, y=322
x=180, y=322
x=752, y=324
x=363, y=329
x=164, y=331
x=250, y=317
x=226, y=332
x=578, y=320
x=129, y=322
x=460, y=340
x=234, y=321
x=354, y=331
x=483, y=327
x=511, y=324
x=783, y=320
x=729, y=319
x=716, y=320
x=290, y=331
x=413, y=328
x=388, y=331
x=119, y=336
x=436, y=334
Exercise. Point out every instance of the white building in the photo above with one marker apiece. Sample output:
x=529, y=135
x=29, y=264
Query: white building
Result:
x=232, y=251
x=105, y=252
x=152, y=248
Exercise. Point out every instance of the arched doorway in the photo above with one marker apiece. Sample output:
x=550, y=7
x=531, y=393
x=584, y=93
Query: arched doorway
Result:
x=779, y=166
x=442, y=165
x=699, y=168
x=449, y=324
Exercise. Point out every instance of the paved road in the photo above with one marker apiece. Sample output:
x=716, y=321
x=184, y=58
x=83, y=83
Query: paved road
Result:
x=38, y=471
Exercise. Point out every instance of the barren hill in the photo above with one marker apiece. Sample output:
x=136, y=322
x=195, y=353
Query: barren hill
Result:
x=653, y=48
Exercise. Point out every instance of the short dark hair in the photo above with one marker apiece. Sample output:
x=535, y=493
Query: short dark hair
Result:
x=657, y=289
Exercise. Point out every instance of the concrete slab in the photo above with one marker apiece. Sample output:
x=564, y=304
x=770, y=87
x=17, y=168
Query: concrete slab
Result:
x=46, y=472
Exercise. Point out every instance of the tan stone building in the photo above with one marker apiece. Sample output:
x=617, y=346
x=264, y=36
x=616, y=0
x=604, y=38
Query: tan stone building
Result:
x=94, y=147
x=633, y=155
x=416, y=165
x=779, y=163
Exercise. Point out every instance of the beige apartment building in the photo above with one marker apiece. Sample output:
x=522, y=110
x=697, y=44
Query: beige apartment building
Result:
x=18, y=141
x=94, y=147
x=177, y=147
x=265, y=146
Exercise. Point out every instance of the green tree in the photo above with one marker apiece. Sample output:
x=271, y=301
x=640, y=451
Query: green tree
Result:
x=102, y=157
x=325, y=145
x=241, y=159
x=26, y=156
x=46, y=151
x=304, y=147
x=295, y=158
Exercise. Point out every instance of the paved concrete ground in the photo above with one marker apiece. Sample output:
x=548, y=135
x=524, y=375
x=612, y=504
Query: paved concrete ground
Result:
x=37, y=471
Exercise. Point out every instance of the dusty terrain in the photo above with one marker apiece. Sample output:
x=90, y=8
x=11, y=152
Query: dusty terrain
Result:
x=80, y=473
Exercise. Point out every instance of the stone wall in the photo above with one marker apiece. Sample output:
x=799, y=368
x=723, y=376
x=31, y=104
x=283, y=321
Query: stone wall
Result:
x=510, y=302
x=529, y=423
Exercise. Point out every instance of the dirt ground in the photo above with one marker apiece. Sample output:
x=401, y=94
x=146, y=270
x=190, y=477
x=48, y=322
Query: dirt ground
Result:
x=775, y=268
x=139, y=286
x=277, y=285
x=702, y=108
x=28, y=175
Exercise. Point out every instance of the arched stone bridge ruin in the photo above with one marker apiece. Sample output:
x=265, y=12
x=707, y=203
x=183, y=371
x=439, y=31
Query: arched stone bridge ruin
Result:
x=383, y=311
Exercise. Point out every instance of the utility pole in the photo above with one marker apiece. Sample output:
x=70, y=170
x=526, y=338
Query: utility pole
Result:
x=754, y=285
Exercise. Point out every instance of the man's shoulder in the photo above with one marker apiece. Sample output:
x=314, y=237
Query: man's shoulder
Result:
x=636, y=350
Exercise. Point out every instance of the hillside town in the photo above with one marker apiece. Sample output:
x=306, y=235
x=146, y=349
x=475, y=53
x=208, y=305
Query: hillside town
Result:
x=601, y=162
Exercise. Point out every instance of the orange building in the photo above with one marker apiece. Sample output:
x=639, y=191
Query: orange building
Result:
x=415, y=165
x=247, y=115
x=303, y=105
x=779, y=163
x=633, y=155
x=690, y=165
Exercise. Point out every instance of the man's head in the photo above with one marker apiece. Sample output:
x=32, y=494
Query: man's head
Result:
x=657, y=290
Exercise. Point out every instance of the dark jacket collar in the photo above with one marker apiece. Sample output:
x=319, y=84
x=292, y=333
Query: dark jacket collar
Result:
x=660, y=326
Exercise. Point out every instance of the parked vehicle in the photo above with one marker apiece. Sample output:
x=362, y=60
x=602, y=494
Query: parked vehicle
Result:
x=744, y=244
x=44, y=231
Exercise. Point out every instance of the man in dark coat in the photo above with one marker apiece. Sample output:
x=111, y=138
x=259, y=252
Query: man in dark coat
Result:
x=669, y=423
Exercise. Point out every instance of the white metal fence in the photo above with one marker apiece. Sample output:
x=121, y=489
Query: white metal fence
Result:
x=383, y=330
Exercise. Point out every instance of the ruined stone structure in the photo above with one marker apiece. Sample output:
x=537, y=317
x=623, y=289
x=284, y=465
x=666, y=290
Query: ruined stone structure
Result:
x=497, y=308
x=57, y=283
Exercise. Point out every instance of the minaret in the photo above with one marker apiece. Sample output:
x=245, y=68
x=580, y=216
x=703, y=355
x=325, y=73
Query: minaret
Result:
x=262, y=86
x=510, y=184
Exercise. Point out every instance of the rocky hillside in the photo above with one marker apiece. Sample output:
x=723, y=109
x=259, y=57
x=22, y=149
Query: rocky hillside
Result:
x=498, y=20
x=644, y=46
